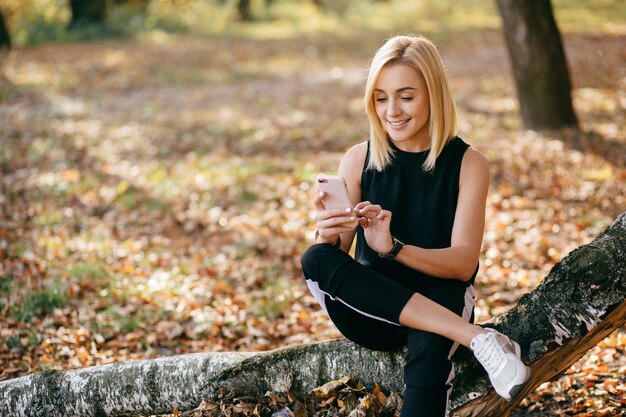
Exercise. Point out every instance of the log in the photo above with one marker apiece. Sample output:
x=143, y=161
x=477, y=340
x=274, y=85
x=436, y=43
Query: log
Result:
x=580, y=302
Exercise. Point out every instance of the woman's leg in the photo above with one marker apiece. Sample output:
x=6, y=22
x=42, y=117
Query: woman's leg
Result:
x=336, y=276
x=499, y=355
x=366, y=331
x=332, y=274
x=428, y=372
x=424, y=314
x=363, y=319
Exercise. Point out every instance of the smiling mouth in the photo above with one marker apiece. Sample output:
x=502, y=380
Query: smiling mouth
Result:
x=398, y=123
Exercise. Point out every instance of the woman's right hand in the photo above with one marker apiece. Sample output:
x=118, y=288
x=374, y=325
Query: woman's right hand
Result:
x=332, y=222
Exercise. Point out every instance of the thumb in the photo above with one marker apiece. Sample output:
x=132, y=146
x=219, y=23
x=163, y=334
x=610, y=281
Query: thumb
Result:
x=384, y=215
x=318, y=201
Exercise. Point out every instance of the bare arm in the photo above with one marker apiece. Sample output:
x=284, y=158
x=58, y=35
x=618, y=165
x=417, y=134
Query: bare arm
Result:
x=350, y=168
x=333, y=223
x=460, y=259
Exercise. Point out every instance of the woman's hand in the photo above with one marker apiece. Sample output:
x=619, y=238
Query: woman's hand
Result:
x=376, y=226
x=332, y=222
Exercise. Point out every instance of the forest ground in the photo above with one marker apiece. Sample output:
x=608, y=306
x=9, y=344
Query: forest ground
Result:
x=155, y=193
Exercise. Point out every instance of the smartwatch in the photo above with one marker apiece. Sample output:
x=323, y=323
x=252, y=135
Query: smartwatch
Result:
x=397, y=247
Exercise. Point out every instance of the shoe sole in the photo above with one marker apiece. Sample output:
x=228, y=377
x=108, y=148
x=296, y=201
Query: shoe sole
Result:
x=516, y=388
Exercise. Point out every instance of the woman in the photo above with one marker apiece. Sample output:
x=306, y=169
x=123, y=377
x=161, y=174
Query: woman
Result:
x=419, y=221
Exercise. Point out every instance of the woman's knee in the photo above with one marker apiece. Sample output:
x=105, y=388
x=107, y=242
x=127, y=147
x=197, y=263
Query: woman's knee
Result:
x=314, y=257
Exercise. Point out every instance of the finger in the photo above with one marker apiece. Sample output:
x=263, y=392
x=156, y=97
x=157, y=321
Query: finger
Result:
x=361, y=205
x=318, y=201
x=349, y=221
x=332, y=213
x=384, y=214
x=371, y=207
x=363, y=222
x=328, y=233
x=370, y=211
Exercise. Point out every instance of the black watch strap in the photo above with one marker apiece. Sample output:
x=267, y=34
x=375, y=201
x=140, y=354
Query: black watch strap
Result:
x=397, y=247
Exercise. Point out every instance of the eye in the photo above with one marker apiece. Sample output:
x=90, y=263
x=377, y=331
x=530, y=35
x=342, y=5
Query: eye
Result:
x=381, y=99
x=407, y=98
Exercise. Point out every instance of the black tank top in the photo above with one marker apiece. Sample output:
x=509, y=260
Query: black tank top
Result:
x=423, y=205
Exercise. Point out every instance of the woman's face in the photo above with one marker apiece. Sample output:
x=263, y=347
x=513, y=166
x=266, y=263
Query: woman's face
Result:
x=402, y=105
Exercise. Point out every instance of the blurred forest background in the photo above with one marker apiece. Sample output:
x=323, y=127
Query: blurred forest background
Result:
x=157, y=158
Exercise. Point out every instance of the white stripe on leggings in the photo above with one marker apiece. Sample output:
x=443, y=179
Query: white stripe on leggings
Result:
x=317, y=292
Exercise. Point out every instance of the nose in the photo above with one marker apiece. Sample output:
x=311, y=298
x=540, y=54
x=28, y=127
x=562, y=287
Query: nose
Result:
x=393, y=108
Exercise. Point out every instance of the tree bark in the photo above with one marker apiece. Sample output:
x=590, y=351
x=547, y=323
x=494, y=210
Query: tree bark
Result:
x=581, y=301
x=539, y=64
x=140, y=5
x=5, y=36
x=243, y=8
x=85, y=12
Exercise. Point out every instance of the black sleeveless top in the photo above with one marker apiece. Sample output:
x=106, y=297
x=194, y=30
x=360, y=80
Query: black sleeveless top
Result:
x=423, y=205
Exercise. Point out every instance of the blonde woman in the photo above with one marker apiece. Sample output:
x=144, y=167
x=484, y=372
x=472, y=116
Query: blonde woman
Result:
x=419, y=193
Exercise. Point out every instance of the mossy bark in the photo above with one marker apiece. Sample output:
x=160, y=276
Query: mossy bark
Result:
x=581, y=301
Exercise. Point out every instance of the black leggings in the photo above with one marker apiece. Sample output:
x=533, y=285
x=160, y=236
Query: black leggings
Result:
x=365, y=306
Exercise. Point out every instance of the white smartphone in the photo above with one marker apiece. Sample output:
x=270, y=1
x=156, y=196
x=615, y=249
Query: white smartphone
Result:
x=334, y=186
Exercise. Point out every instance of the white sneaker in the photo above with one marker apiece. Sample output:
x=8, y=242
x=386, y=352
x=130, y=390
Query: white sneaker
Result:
x=500, y=356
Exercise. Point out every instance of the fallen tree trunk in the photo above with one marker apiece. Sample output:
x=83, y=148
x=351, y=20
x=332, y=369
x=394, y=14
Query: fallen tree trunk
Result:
x=580, y=302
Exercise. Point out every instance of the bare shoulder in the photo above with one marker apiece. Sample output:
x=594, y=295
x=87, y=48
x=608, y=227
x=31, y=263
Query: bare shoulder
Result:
x=356, y=154
x=474, y=164
x=353, y=160
x=351, y=168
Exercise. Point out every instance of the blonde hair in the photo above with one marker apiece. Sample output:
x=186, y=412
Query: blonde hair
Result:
x=421, y=54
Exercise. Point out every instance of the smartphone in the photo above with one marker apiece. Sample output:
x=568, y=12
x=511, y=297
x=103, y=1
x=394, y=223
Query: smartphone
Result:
x=334, y=186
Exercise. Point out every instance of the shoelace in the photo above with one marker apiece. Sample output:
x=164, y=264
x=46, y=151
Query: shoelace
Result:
x=492, y=355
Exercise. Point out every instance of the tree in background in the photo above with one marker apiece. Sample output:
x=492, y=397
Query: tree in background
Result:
x=5, y=37
x=243, y=7
x=539, y=64
x=85, y=12
x=137, y=4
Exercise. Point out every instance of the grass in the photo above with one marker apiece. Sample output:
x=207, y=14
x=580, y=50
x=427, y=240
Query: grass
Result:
x=39, y=303
x=24, y=301
x=90, y=272
x=5, y=291
x=601, y=16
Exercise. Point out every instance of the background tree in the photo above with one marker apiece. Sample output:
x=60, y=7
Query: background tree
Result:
x=5, y=37
x=539, y=64
x=243, y=7
x=86, y=12
x=141, y=5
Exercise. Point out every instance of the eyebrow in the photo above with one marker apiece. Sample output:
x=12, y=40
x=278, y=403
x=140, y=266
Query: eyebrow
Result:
x=378, y=90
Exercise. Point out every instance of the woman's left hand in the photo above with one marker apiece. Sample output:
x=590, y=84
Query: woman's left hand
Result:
x=376, y=226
